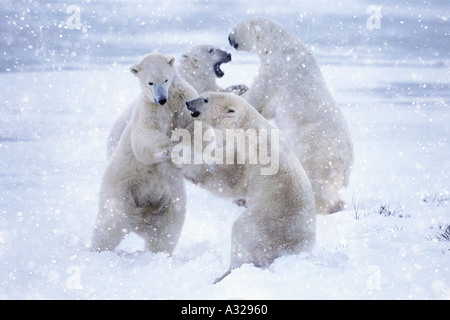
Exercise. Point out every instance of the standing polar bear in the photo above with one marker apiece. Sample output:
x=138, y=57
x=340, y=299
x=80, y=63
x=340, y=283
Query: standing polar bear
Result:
x=290, y=89
x=200, y=67
x=280, y=215
x=142, y=191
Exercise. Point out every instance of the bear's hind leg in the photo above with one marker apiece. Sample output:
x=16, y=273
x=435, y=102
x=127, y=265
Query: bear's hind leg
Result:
x=163, y=229
x=107, y=239
x=109, y=231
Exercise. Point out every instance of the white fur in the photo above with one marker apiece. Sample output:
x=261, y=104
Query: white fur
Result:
x=197, y=65
x=290, y=89
x=142, y=191
x=175, y=87
x=280, y=216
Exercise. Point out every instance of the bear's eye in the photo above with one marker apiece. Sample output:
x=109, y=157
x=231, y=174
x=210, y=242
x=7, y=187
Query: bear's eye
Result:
x=150, y=83
x=230, y=111
x=211, y=50
x=205, y=100
x=167, y=80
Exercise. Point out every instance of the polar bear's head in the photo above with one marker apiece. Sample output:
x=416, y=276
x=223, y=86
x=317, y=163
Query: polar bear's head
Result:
x=220, y=110
x=256, y=35
x=155, y=73
x=206, y=59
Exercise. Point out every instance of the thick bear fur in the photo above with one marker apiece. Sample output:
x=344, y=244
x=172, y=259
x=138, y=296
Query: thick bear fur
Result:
x=290, y=89
x=142, y=191
x=280, y=215
x=200, y=67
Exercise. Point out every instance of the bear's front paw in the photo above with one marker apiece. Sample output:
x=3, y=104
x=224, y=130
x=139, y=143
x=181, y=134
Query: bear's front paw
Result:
x=238, y=89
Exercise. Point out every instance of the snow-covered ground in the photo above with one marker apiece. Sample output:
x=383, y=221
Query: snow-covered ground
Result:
x=61, y=90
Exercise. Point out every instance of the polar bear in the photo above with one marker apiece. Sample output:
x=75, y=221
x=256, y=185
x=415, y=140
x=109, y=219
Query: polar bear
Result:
x=142, y=191
x=280, y=215
x=160, y=97
x=200, y=67
x=290, y=89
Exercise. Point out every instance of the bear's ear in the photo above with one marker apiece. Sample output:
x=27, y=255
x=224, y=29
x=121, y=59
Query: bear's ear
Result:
x=134, y=69
x=170, y=60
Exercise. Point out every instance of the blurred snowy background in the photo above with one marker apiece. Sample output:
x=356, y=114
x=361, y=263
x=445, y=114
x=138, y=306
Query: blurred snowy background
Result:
x=64, y=79
x=43, y=35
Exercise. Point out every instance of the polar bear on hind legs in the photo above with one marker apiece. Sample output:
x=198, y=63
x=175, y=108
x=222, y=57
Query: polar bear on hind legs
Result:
x=290, y=89
x=142, y=191
x=280, y=216
x=199, y=66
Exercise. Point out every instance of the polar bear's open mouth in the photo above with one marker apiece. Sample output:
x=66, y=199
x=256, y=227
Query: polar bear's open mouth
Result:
x=219, y=73
x=195, y=114
x=224, y=57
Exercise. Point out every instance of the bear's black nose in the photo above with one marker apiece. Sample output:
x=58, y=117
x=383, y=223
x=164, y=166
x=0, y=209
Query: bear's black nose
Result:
x=232, y=42
x=195, y=113
x=162, y=101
